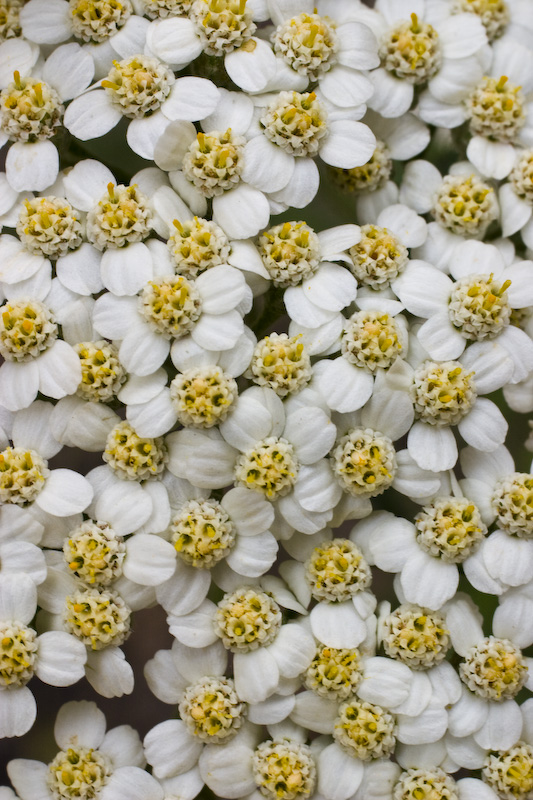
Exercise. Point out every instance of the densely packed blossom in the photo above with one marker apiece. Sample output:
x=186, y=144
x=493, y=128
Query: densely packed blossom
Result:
x=266, y=348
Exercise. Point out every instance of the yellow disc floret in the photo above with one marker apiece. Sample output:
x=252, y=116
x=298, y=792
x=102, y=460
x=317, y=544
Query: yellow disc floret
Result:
x=78, y=774
x=133, y=457
x=197, y=245
x=202, y=533
x=308, y=43
x=30, y=110
x=203, y=396
x=214, y=161
x=121, y=217
x=364, y=462
x=284, y=770
x=212, y=710
x=290, y=253
x=337, y=570
x=171, y=305
x=512, y=501
x=97, y=617
x=165, y=8
x=443, y=392
x=465, y=205
x=425, y=784
x=494, y=669
x=378, y=258
x=334, y=673
x=479, y=306
x=416, y=636
x=411, y=51
x=94, y=553
x=97, y=20
x=138, y=85
x=18, y=650
x=510, y=772
x=371, y=340
x=364, y=730
x=282, y=363
x=27, y=329
x=496, y=109
x=450, y=528
x=247, y=619
x=22, y=475
x=102, y=374
x=49, y=226
x=270, y=467
x=296, y=122
x=222, y=25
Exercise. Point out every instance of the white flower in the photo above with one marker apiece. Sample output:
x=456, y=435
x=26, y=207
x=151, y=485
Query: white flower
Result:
x=425, y=562
x=56, y=658
x=200, y=395
x=35, y=359
x=109, y=764
x=431, y=777
x=110, y=33
x=497, y=107
x=502, y=495
x=493, y=671
x=462, y=203
x=445, y=394
x=475, y=306
x=211, y=713
x=31, y=111
x=323, y=49
x=270, y=447
x=208, y=310
x=25, y=477
x=418, y=45
x=248, y=620
x=144, y=90
x=218, y=29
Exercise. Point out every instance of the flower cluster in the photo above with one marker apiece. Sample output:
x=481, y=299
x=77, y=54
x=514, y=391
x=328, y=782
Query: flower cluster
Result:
x=267, y=265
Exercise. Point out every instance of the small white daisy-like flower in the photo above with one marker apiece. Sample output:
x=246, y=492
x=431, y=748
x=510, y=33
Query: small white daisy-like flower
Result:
x=32, y=111
x=221, y=28
x=24, y=474
x=324, y=49
x=201, y=395
x=493, y=672
x=281, y=768
x=90, y=763
x=447, y=531
x=504, y=497
x=248, y=621
x=208, y=310
x=106, y=29
x=496, y=107
x=268, y=447
x=145, y=91
x=476, y=306
x=55, y=657
x=433, y=779
x=462, y=203
x=418, y=45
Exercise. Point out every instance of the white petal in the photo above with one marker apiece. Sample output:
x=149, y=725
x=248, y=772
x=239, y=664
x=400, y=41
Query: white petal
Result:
x=227, y=771
x=266, y=167
x=32, y=166
x=256, y=675
x=502, y=727
x=344, y=87
x=484, y=427
x=150, y=560
x=86, y=182
x=339, y=774
x=79, y=270
x=191, y=99
x=109, y=673
x=242, y=212
x=337, y=625
x=428, y=581
x=65, y=493
x=79, y=724
x=348, y=144
x=508, y=559
x=125, y=271
x=293, y=649
x=170, y=749
x=251, y=67
x=18, y=711
x=174, y=40
x=142, y=134
x=253, y=556
x=69, y=69
x=493, y=159
x=385, y=682
x=91, y=115
x=62, y=658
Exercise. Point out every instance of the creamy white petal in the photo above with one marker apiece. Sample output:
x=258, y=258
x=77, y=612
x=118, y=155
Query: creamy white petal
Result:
x=91, y=115
x=32, y=166
x=61, y=660
x=337, y=625
x=429, y=581
x=339, y=773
